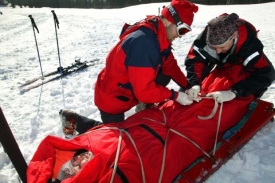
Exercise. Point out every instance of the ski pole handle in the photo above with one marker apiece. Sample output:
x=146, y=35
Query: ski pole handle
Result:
x=55, y=19
x=34, y=26
x=56, y=23
x=33, y=23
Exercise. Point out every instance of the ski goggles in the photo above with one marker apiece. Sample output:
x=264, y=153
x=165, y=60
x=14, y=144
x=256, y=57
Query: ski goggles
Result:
x=182, y=28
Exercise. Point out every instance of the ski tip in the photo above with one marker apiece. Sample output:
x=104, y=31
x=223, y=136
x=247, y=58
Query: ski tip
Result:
x=22, y=91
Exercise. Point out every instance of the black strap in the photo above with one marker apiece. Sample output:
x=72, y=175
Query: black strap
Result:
x=124, y=28
x=155, y=134
x=54, y=181
x=165, y=53
x=121, y=175
x=174, y=14
x=154, y=21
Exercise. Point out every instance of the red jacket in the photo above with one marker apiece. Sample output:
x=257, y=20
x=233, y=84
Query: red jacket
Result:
x=132, y=67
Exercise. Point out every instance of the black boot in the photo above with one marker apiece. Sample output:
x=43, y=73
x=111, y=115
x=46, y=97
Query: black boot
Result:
x=74, y=123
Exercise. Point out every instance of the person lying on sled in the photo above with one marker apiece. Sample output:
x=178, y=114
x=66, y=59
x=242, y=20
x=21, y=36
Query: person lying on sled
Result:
x=153, y=145
x=229, y=43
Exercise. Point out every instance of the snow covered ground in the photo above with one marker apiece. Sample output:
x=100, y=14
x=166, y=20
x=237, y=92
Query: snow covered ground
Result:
x=90, y=34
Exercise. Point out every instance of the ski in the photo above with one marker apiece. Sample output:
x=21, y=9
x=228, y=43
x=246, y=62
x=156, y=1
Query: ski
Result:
x=10, y=146
x=37, y=78
x=76, y=66
x=57, y=71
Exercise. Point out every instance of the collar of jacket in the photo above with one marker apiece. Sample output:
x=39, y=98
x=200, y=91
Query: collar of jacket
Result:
x=242, y=37
x=156, y=25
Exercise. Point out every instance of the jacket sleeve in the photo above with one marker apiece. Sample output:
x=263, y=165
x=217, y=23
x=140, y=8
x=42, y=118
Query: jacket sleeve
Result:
x=260, y=70
x=256, y=64
x=145, y=88
x=198, y=63
x=171, y=68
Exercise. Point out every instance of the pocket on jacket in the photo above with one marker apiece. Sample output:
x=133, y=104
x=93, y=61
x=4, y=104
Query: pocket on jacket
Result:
x=122, y=98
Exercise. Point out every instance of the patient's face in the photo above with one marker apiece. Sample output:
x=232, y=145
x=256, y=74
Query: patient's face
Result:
x=81, y=160
x=76, y=161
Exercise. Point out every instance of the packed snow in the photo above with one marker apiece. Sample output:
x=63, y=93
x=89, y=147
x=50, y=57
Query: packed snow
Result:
x=90, y=34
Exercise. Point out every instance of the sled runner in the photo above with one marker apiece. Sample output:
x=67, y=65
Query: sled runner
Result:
x=258, y=115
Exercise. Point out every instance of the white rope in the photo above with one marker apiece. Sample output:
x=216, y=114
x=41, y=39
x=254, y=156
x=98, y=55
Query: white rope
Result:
x=117, y=155
x=160, y=122
x=119, y=146
x=194, y=143
x=165, y=144
x=141, y=164
x=164, y=116
x=152, y=120
x=213, y=112
x=98, y=129
x=163, y=158
x=218, y=128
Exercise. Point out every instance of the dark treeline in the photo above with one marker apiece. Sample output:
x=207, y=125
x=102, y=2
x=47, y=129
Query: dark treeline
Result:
x=115, y=3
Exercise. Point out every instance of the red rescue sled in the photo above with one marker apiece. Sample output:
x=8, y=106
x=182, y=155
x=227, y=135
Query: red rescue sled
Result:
x=259, y=114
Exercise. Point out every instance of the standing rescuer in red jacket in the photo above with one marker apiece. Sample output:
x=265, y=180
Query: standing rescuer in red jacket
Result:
x=141, y=64
x=229, y=42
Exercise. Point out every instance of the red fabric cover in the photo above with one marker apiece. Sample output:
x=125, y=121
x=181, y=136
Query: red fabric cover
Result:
x=223, y=78
x=166, y=121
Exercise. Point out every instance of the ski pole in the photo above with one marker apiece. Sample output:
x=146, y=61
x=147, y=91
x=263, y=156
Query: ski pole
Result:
x=56, y=23
x=34, y=26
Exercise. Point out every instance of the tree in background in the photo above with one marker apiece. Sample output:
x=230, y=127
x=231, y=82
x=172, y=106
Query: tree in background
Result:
x=115, y=3
x=13, y=3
